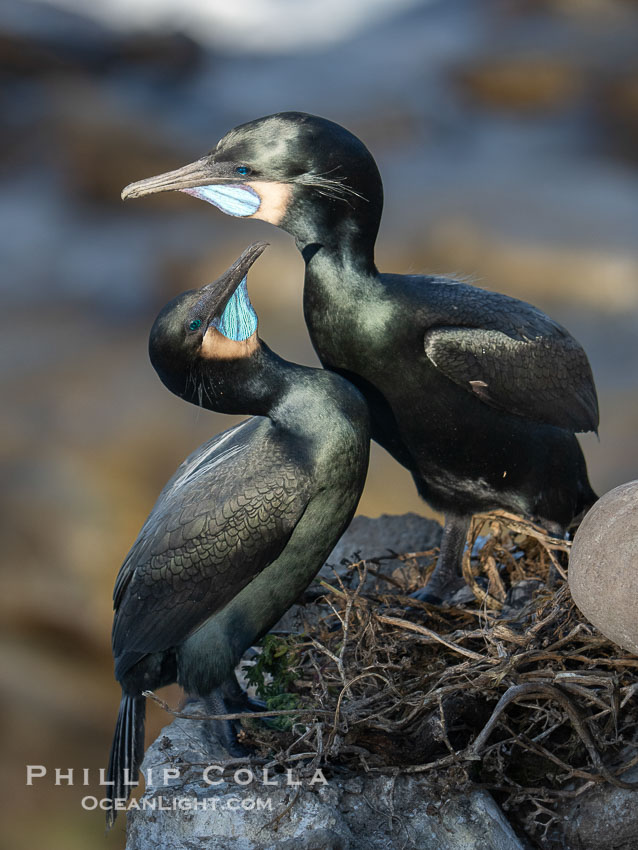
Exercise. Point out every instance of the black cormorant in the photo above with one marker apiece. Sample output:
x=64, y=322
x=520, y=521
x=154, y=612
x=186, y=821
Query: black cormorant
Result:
x=478, y=394
x=247, y=520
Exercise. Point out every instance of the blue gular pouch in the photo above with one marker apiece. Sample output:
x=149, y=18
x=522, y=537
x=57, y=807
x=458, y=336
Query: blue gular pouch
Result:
x=239, y=320
x=239, y=201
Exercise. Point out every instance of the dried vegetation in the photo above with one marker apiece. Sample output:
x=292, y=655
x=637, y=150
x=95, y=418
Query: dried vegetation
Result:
x=511, y=691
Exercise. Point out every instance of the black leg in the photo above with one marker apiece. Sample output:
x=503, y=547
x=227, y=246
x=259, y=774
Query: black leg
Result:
x=221, y=732
x=237, y=699
x=447, y=578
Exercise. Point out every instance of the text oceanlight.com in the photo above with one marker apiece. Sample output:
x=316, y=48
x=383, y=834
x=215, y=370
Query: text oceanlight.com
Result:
x=180, y=804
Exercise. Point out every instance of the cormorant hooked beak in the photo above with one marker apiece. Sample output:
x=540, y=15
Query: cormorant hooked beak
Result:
x=229, y=186
x=216, y=182
x=194, y=174
x=215, y=296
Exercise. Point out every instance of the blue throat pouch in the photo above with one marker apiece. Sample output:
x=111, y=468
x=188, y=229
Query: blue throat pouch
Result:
x=233, y=200
x=238, y=321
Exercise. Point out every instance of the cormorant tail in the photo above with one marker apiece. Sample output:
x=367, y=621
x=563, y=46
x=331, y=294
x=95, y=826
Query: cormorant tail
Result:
x=127, y=752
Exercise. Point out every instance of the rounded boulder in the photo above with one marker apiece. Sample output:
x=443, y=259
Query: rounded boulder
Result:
x=603, y=566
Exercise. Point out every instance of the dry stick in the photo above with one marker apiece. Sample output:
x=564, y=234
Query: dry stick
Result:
x=275, y=821
x=346, y=618
x=391, y=556
x=346, y=687
x=293, y=757
x=547, y=732
x=614, y=662
x=422, y=630
x=555, y=562
x=404, y=600
x=580, y=627
x=390, y=813
x=242, y=715
x=525, y=526
x=544, y=793
x=389, y=579
x=466, y=568
x=540, y=625
x=625, y=767
x=530, y=689
x=519, y=525
x=531, y=744
x=429, y=608
x=318, y=645
x=494, y=579
x=443, y=723
x=303, y=737
x=341, y=593
x=578, y=690
x=445, y=761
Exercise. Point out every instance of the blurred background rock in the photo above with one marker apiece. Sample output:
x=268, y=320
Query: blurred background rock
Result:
x=507, y=136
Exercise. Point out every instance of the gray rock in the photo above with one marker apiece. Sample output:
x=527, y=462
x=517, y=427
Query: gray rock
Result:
x=603, y=577
x=363, y=812
x=603, y=811
x=368, y=538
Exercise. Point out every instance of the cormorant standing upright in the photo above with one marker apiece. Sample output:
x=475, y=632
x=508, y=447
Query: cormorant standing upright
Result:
x=478, y=394
x=247, y=520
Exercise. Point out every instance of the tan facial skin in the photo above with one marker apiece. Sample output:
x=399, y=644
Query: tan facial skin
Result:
x=215, y=346
x=275, y=198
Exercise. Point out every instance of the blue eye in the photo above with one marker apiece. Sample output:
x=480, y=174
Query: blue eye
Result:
x=194, y=324
x=242, y=169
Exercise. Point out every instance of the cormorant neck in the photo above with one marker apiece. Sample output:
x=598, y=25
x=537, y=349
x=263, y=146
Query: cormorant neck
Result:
x=255, y=385
x=344, y=229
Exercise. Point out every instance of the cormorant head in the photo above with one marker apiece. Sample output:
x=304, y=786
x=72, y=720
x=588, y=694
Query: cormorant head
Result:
x=300, y=172
x=200, y=337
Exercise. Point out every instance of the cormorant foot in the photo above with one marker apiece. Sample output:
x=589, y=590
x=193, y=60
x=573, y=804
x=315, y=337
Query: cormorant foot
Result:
x=446, y=578
x=436, y=593
x=218, y=733
x=253, y=704
x=423, y=594
x=220, y=738
x=237, y=700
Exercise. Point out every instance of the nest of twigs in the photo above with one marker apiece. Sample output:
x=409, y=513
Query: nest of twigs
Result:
x=512, y=691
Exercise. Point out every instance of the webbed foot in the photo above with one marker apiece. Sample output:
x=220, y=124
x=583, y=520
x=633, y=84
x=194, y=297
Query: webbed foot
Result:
x=446, y=579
